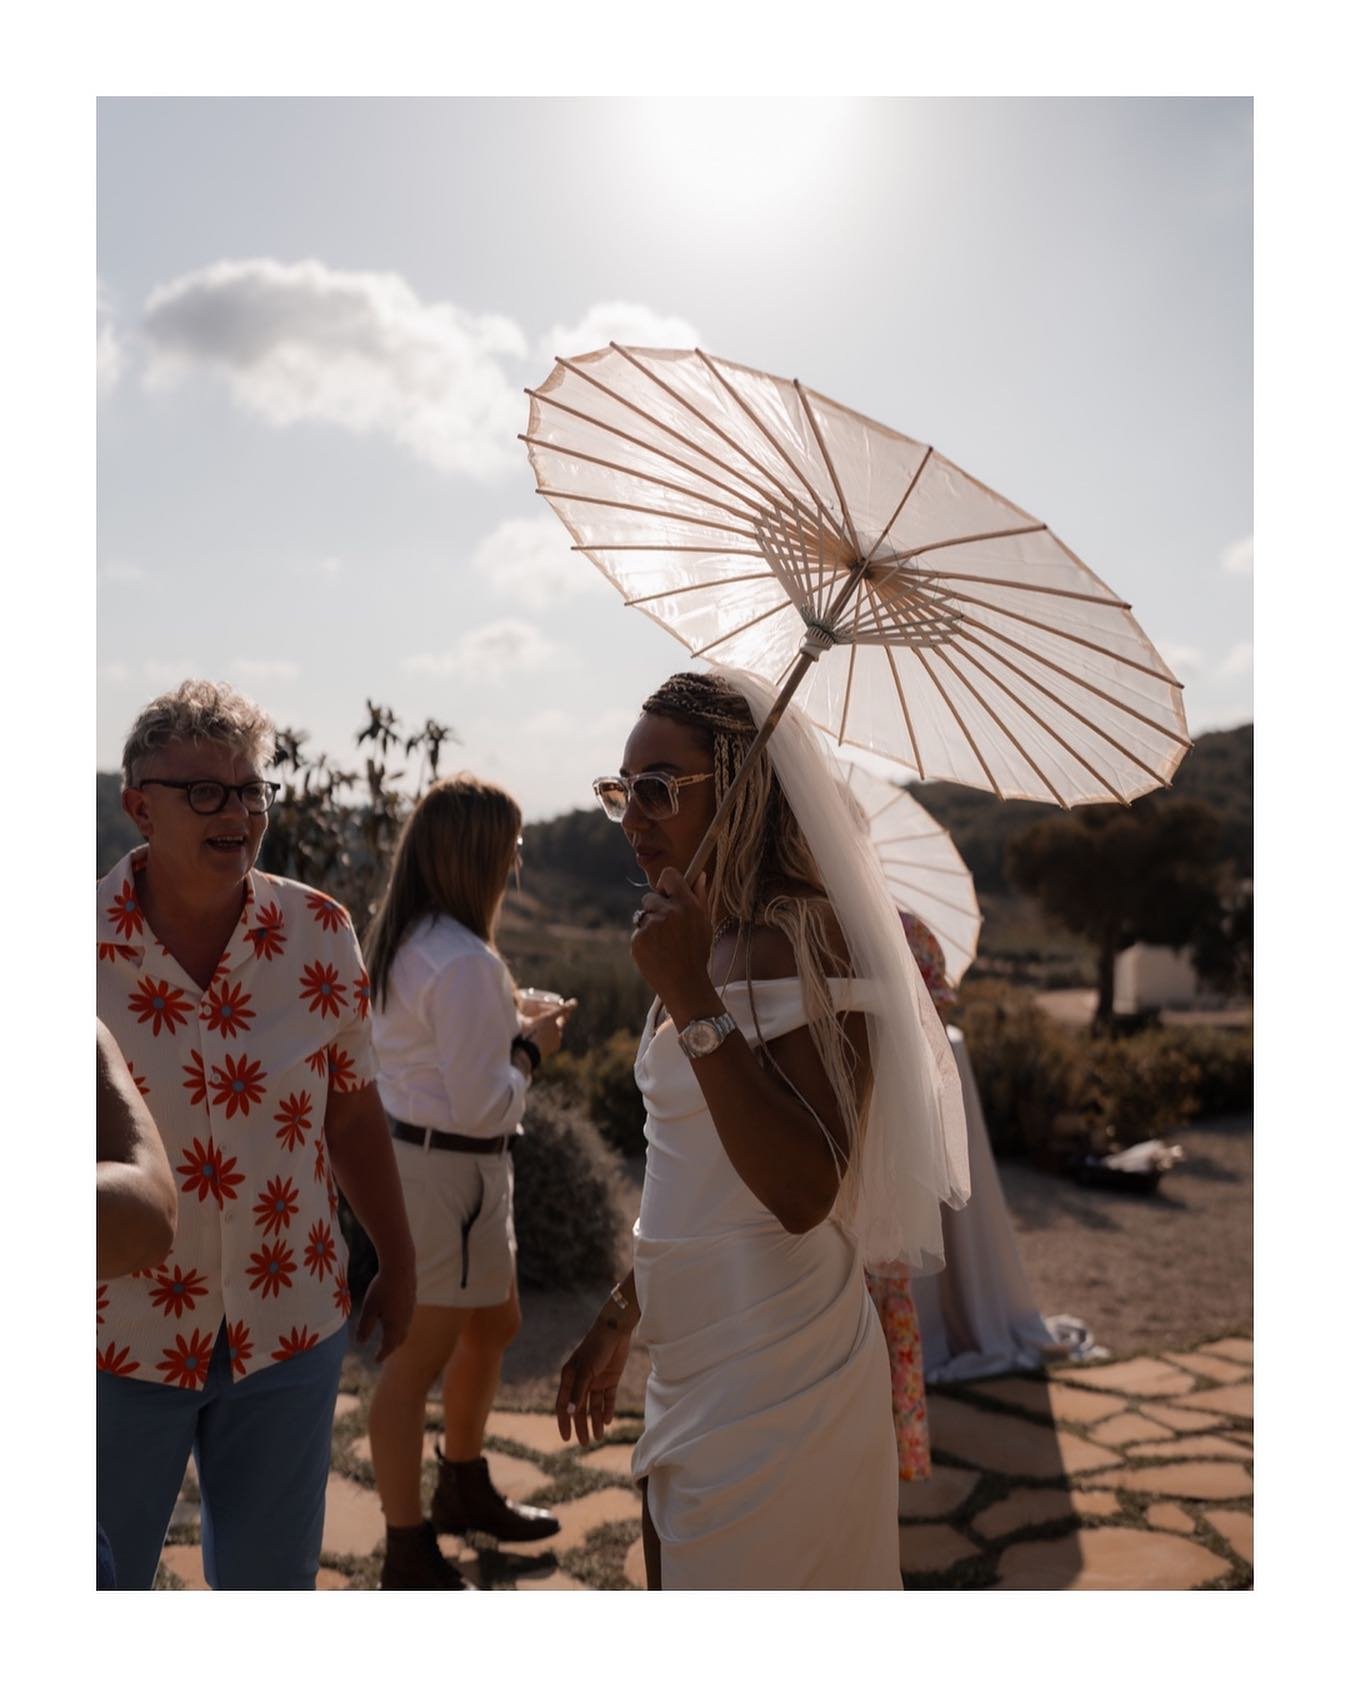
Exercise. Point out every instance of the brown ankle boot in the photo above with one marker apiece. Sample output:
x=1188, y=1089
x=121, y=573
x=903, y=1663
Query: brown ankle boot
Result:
x=465, y=1500
x=413, y=1563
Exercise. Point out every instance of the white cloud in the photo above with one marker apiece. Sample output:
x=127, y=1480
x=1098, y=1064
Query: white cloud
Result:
x=355, y=349
x=629, y=324
x=1179, y=655
x=250, y=671
x=609, y=725
x=531, y=560
x=1237, y=558
x=115, y=673
x=171, y=674
x=493, y=651
x=110, y=351
x=1238, y=662
x=122, y=573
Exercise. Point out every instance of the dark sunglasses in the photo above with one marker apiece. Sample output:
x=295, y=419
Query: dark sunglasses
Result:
x=656, y=794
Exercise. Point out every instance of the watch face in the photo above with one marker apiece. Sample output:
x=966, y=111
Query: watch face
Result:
x=701, y=1036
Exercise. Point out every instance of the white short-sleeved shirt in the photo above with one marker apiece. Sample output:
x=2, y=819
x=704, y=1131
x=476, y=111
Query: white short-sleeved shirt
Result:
x=443, y=1033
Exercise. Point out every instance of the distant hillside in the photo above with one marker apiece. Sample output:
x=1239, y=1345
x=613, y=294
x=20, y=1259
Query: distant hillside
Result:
x=114, y=833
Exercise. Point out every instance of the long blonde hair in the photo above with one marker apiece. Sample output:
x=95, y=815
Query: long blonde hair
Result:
x=453, y=857
x=762, y=871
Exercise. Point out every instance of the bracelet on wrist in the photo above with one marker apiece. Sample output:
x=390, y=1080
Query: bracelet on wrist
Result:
x=529, y=1049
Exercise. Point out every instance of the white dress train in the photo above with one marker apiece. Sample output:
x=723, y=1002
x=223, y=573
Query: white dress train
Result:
x=769, y=1446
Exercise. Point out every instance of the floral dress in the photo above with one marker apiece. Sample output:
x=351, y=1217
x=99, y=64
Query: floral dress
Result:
x=889, y=1287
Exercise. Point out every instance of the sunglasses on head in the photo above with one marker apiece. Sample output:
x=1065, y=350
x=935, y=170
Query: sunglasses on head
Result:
x=656, y=794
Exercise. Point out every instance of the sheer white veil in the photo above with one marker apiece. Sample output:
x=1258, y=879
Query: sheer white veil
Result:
x=913, y=1152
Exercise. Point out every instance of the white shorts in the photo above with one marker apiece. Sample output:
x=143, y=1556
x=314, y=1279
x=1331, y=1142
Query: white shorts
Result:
x=459, y=1212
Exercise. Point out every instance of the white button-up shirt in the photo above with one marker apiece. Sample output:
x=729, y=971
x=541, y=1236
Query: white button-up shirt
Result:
x=443, y=1035
x=237, y=1078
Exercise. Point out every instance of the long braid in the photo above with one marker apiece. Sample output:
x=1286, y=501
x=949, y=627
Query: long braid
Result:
x=761, y=849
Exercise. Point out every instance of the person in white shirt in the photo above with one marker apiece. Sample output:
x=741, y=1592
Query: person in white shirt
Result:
x=455, y=1063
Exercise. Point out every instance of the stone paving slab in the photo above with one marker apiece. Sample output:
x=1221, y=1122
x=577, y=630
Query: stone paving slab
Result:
x=1231, y=1347
x=615, y=1457
x=1236, y=1527
x=537, y=1430
x=635, y=1565
x=1234, y=1402
x=353, y=1522
x=932, y=1547
x=346, y=1405
x=1192, y=1447
x=1181, y=1417
x=1181, y=1481
x=1108, y=1558
x=558, y=1581
x=1166, y=1514
x=186, y=1564
x=1009, y=1445
x=1210, y=1366
x=1150, y=1378
x=579, y=1517
x=1025, y=1507
x=944, y=1490
x=516, y=1478
x=1120, y=1430
x=1049, y=1399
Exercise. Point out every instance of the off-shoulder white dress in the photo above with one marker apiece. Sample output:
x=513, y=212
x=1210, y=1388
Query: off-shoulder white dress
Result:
x=769, y=1447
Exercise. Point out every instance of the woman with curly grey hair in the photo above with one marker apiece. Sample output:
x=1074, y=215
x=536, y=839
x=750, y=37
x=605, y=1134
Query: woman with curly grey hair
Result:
x=802, y=1115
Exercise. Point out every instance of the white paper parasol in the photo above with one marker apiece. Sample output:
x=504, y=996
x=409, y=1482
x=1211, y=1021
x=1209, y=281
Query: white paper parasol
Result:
x=763, y=525
x=923, y=868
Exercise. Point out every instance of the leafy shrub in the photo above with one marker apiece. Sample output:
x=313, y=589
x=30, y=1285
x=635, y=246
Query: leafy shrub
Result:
x=1022, y=1062
x=1133, y=1088
x=601, y=1082
x=1223, y=1063
x=566, y=1199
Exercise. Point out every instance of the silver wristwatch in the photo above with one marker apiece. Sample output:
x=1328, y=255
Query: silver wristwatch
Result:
x=702, y=1036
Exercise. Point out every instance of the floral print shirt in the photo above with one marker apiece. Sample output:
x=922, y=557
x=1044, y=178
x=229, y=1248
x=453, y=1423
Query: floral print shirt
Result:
x=237, y=1079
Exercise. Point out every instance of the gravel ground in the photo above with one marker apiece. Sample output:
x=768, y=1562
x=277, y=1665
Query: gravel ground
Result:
x=1144, y=1272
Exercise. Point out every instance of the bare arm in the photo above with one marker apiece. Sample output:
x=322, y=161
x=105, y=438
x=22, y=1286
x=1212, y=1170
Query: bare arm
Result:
x=771, y=1135
x=137, y=1199
x=362, y=1156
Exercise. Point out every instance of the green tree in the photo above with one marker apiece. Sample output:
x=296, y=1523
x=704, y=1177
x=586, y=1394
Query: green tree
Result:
x=1119, y=876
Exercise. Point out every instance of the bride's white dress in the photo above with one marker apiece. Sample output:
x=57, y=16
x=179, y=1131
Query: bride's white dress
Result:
x=769, y=1447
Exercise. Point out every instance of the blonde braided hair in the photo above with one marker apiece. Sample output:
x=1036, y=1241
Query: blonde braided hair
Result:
x=763, y=873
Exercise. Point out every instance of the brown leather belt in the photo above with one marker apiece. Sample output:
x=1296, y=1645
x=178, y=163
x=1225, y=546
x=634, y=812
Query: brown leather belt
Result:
x=450, y=1140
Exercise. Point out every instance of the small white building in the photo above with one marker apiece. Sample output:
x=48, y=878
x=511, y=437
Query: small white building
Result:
x=1152, y=977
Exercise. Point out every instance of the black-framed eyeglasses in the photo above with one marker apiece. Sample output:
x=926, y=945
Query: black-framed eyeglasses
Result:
x=209, y=796
x=656, y=794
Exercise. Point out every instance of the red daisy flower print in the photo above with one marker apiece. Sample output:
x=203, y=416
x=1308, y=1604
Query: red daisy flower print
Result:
x=125, y=913
x=228, y=1007
x=332, y=916
x=186, y=1363
x=118, y=1360
x=341, y=1070
x=206, y=1170
x=241, y=1346
x=116, y=951
x=101, y=1303
x=299, y=1341
x=320, y=1165
x=177, y=1294
x=361, y=994
x=268, y=937
x=271, y=1269
x=276, y=1206
x=159, y=1002
x=195, y=1082
x=137, y=1079
x=318, y=1062
x=320, y=1252
x=332, y=1197
x=342, y=1295
x=238, y=1085
x=320, y=986
x=293, y=1119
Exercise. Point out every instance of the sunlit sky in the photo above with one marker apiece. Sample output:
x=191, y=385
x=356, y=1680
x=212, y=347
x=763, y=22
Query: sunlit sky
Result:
x=316, y=319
